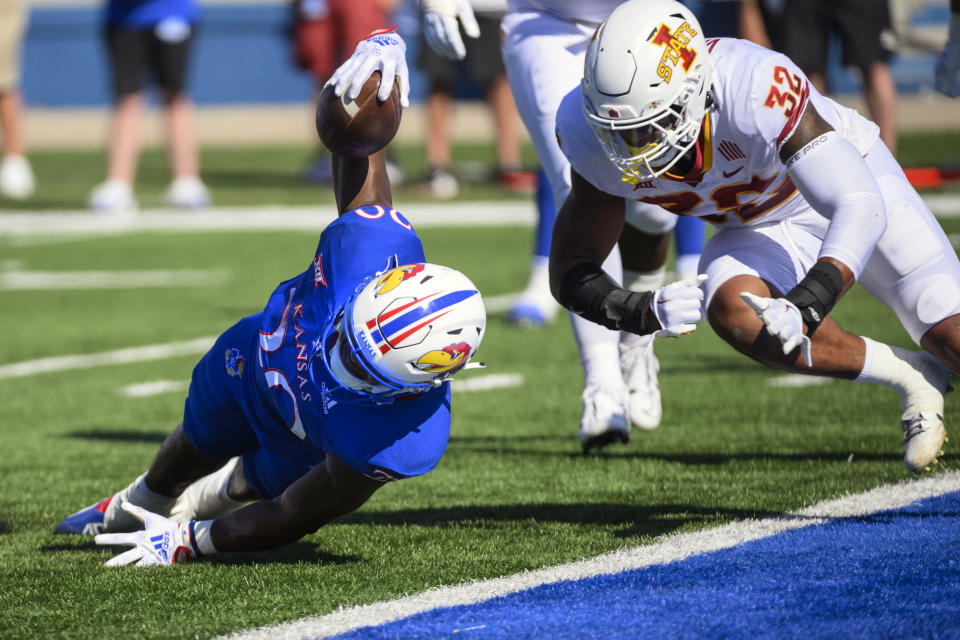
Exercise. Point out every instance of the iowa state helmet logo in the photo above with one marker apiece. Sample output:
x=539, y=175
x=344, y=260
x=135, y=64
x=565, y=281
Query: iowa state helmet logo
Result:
x=449, y=358
x=392, y=279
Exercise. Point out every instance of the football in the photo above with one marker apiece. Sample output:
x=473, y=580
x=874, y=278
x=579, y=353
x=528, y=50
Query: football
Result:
x=358, y=127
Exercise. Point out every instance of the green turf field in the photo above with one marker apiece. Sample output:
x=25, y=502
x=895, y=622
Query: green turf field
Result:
x=512, y=493
x=271, y=175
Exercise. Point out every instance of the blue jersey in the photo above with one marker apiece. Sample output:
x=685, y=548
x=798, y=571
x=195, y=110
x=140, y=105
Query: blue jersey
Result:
x=292, y=389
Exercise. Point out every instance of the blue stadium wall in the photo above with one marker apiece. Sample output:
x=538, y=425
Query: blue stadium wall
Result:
x=242, y=55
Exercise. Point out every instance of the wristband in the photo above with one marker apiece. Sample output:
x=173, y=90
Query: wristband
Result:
x=816, y=294
x=589, y=292
x=200, y=537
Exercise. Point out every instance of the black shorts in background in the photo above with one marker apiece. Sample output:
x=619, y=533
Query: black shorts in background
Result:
x=805, y=27
x=135, y=53
x=483, y=62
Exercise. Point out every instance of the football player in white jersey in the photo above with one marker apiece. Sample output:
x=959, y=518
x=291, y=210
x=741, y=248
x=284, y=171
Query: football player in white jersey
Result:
x=543, y=49
x=805, y=199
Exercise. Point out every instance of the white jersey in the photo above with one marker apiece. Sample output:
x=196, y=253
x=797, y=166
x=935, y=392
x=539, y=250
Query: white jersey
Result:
x=758, y=97
x=588, y=11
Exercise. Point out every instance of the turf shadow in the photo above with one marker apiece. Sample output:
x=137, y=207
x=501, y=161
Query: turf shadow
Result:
x=301, y=552
x=628, y=521
x=691, y=459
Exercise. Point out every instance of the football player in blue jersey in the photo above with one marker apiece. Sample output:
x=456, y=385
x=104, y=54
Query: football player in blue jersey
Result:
x=304, y=410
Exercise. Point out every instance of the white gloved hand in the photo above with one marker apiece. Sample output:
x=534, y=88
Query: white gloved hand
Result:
x=162, y=542
x=440, y=28
x=678, y=306
x=947, y=73
x=783, y=321
x=383, y=52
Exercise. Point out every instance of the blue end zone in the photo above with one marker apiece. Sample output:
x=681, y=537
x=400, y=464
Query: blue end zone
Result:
x=893, y=574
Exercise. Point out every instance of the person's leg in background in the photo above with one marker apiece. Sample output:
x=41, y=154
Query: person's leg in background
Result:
x=689, y=234
x=128, y=51
x=171, y=50
x=868, y=41
x=16, y=176
x=528, y=311
x=544, y=60
x=442, y=74
x=485, y=66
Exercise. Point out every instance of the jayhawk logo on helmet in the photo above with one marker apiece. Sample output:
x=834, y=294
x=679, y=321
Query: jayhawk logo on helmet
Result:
x=447, y=359
x=392, y=279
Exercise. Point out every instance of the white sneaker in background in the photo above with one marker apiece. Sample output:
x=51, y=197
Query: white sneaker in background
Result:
x=442, y=184
x=112, y=196
x=604, y=418
x=188, y=192
x=640, y=368
x=16, y=178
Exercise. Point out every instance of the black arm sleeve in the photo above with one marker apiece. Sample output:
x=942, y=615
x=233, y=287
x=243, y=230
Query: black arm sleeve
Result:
x=589, y=292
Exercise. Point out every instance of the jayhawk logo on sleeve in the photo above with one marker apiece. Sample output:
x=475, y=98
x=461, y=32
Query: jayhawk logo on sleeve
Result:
x=449, y=358
x=392, y=279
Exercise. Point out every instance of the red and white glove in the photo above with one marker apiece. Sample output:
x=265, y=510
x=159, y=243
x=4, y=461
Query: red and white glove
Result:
x=782, y=320
x=161, y=542
x=678, y=306
x=440, y=28
x=382, y=51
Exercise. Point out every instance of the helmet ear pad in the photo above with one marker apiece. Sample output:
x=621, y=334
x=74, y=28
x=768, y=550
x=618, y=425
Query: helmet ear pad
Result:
x=411, y=328
x=645, y=85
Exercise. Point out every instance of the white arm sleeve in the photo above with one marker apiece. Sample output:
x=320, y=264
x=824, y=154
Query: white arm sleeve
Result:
x=831, y=175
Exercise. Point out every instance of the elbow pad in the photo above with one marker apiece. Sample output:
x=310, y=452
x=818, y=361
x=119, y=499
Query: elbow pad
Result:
x=831, y=175
x=589, y=292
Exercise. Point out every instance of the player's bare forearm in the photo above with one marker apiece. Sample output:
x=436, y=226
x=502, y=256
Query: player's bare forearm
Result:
x=327, y=492
x=586, y=229
x=361, y=181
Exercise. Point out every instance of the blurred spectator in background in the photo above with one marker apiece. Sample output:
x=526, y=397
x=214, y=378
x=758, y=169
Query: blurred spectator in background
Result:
x=948, y=66
x=325, y=33
x=16, y=176
x=150, y=36
x=802, y=29
x=483, y=63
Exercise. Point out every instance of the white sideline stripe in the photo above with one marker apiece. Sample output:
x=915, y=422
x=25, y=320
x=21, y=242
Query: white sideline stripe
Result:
x=487, y=383
x=665, y=550
x=265, y=218
x=155, y=388
x=106, y=358
x=477, y=383
x=33, y=280
x=797, y=380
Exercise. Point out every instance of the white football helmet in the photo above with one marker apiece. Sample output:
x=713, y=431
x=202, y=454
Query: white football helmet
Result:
x=406, y=330
x=645, y=82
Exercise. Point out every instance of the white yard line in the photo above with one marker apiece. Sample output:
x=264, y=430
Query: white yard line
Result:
x=797, y=380
x=667, y=549
x=488, y=382
x=476, y=383
x=265, y=218
x=105, y=358
x=153, y=388
x=16, y=280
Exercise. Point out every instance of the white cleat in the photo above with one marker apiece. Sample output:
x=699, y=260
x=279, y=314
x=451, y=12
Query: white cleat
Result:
x=923, y=438
x=604, y=418
x=112, y=196
x=640, y=368
x=16, y=178
x=922, y=420
x=188, y=192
